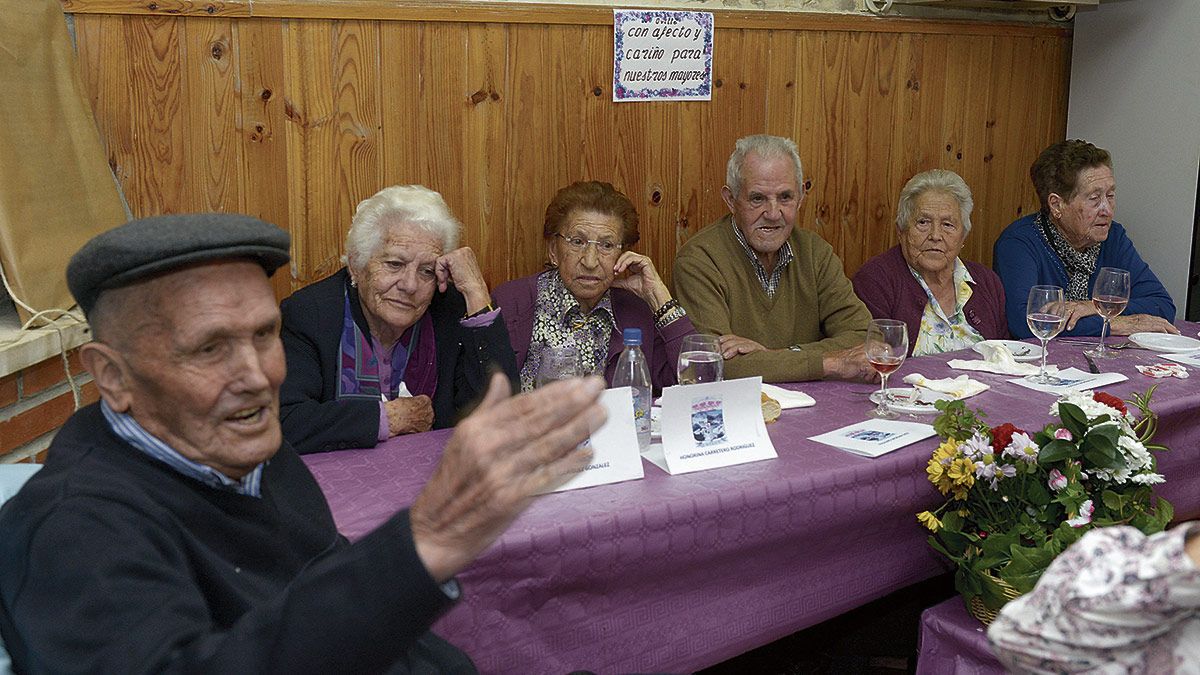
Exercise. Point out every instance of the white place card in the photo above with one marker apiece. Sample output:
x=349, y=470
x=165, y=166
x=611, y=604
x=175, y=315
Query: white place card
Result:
x=615, y=456
x=1072, y=379
x=715, y=424
x=875, y=437
x=1187, y=358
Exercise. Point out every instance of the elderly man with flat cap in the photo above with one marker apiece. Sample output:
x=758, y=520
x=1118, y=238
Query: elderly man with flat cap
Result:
x=777, y=295
x=173, y=530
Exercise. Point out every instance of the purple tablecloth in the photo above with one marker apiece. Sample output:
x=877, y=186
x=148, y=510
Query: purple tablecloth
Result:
x=954, y=643
x=676, y=573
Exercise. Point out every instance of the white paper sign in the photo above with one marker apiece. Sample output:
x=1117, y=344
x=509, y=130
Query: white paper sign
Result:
x=705, y=426
x=875, y=437
x=662, y=56
x=615, y=456
x=1072, y=379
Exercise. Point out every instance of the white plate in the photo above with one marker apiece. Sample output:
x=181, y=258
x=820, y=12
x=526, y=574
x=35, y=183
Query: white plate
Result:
x=906, y=401
x=1021, y=351
x=1165, y=342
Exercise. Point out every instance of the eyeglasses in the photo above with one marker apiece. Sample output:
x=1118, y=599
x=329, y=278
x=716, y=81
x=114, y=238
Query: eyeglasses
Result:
x=579, y=244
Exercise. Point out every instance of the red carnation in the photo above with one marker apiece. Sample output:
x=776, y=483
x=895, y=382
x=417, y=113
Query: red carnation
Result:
x=1002, y=436
x=1110, y=401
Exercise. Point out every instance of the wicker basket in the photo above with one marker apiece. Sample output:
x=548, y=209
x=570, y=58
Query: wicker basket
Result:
x=980, y=611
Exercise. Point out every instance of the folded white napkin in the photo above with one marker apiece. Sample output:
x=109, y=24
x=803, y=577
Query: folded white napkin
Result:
x=788, y=398
x=996, y=359
x=955, y=387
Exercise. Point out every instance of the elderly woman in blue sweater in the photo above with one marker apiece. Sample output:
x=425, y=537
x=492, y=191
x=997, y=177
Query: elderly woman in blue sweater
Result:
x=1068, y=241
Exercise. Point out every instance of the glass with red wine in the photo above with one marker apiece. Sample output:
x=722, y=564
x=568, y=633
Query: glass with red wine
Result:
x=886, y=347
x=1110, y=294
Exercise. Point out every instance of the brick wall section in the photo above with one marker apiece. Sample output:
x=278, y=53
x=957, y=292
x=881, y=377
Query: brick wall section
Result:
x=34, y=403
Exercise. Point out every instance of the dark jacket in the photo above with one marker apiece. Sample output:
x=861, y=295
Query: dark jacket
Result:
x=112, y=562
x=314, y=420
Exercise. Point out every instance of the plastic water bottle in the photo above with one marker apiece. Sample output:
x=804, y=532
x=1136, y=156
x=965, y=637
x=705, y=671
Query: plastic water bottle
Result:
x=634, y=372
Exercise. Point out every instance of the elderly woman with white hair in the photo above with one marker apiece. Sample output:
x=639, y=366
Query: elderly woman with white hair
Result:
x=399, y=340
x=947, y=304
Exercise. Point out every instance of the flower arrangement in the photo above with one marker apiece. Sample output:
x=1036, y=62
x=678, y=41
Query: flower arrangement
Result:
x=1017, y=499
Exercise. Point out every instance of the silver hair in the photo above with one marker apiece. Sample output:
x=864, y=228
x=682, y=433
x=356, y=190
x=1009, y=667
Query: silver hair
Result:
x=415, y=204
x=939, y=180
x=767, y=147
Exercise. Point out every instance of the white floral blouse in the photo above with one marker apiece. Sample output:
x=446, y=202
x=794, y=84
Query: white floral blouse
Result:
x=1117, y=601
x=943, y=331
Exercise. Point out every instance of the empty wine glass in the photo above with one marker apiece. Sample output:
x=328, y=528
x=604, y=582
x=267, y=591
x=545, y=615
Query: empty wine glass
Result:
x=1110, y=294
x=700, y=360
x=886, y=347
x=558, y=363
x=1046, y=314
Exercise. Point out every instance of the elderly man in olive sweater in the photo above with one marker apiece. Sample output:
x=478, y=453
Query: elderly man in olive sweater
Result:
x=776, y=295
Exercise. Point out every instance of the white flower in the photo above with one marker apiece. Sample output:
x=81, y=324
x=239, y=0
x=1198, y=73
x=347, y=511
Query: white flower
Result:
x=1022, y=448
x=1085, y=515
x=1057, y=480
x=1147, y=478
x=975, y=448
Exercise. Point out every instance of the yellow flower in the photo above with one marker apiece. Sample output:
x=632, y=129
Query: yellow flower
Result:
x=930, y=521
x=962, y=472
x=946, y=451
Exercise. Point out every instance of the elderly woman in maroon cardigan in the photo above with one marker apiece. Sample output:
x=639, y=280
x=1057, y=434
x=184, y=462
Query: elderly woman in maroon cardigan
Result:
x=595, y=287
x=947, y=304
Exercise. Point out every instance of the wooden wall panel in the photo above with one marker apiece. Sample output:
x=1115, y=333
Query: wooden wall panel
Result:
x=297, y=120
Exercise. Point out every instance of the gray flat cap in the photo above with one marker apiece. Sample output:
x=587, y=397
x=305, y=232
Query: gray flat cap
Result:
x=152, y=246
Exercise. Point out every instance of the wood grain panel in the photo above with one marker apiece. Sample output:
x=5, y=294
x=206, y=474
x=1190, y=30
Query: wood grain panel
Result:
x=158, y=118
x=213, y=174
x=265, y=128
x=296, y=120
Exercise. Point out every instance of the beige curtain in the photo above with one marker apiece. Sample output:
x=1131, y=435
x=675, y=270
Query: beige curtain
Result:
x=56, y=189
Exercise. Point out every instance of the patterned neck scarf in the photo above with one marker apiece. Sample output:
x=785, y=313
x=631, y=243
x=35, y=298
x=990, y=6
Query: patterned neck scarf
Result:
x=1079, y=264
x=559, y=321
x=413, y=359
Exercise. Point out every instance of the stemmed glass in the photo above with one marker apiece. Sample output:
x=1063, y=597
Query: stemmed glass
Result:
x=1046, y=314
x=886, y=347
x=700, y=360
x=558, y=363
x=1110, y=294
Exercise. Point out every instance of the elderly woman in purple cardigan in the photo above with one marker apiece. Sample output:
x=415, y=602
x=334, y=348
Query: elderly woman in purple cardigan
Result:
x=947, y=304
x=595, y=287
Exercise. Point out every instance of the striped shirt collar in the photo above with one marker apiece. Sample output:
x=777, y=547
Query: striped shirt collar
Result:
x=770, y=282
x=127, y=428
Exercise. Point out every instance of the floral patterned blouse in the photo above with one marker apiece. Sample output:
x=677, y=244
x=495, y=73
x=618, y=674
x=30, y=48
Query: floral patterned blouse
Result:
x=942, y=332
x=559, y=321
x=1117, y=601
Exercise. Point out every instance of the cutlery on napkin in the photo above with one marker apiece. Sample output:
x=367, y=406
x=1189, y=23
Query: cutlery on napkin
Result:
x=788, y=398
x=955, y=387
x=996, y=359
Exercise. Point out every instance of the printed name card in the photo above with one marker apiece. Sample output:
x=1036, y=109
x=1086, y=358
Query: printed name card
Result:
x=615, y=456
x=715, y=424
x=875, y=437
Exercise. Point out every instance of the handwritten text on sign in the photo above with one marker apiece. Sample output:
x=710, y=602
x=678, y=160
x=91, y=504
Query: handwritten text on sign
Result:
x=662, y=56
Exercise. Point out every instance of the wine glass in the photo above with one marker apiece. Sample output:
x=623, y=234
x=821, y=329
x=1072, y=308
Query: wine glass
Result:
x=1046, y=314
x=558, y=363
x=1110, y=294
x=700, y=360
x=886, y=347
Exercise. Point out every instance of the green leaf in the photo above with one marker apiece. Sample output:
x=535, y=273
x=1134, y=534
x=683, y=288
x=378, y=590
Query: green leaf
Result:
x=1057, y=450
x=1073, y=418
x=996, y=550
x=1113, y=500
x=1037, y=493
x=1104, y=458
x=952, y=521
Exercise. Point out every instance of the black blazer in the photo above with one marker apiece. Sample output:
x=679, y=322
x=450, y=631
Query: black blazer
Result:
x=314, y=420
